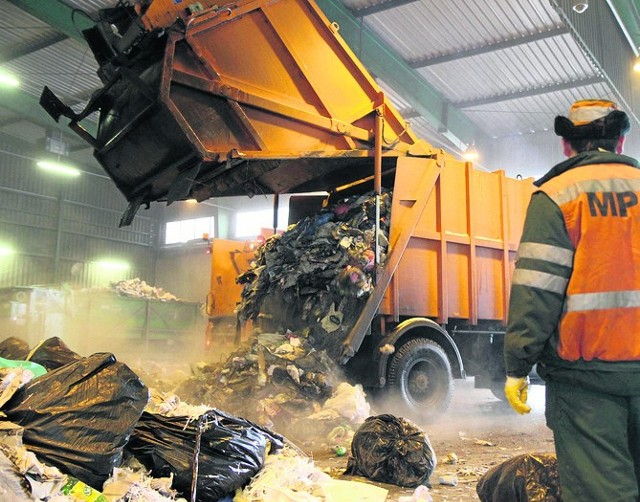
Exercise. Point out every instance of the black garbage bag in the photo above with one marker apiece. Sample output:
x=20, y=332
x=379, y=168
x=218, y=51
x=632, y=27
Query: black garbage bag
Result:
x=14, y=348
x=220, y=451
x=53, y=353
x=392, y=450
x=79, y=417
x=531, y=477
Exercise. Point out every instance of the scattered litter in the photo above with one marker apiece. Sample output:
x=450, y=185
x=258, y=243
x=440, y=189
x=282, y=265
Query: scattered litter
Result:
x=449, y=480
x=12, y=379
x=451, y=458
x=135, y=485
x=350, y=402
x=420, y=494
x=77, y=490
x=289, y=476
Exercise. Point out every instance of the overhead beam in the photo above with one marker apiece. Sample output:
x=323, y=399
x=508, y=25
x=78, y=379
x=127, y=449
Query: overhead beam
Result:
x=25, y=50
x=58, y=15
x=477, y=51
x=530, y=92
x=69, y=22
x=382, y=61
x=627, y=13
x=380, y=7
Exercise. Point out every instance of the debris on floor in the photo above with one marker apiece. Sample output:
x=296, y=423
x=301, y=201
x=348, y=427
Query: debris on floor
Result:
x=91, y=426
x=292, y=477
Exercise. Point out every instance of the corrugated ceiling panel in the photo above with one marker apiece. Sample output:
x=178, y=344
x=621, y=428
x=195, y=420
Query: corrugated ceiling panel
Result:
x=599, y=29
x=429, y=28
x=17, y=28
x=67, y=68
x=90, y=6
x=531, y=114
x=534, y=65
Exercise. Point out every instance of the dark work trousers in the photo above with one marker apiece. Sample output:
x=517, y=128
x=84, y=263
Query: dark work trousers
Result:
x=597, y=439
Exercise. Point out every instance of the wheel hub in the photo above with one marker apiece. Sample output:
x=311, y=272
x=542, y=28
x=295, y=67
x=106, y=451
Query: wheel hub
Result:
x=418, y=381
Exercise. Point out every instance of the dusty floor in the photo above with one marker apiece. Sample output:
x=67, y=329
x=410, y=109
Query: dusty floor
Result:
x=481, y=430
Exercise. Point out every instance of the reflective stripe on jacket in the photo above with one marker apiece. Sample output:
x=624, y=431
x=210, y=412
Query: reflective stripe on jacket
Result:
x=601, y=211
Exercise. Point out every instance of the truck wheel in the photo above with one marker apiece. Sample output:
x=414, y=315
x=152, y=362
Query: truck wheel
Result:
x=420, y=374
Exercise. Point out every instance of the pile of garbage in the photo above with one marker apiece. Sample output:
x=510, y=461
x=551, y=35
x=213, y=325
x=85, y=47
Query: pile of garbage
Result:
x=314, y=279
x=135, y=288
x=278, y=382
x=87, y=428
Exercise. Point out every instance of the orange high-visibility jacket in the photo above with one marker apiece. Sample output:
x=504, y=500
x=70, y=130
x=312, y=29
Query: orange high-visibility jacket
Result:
x=576, y=287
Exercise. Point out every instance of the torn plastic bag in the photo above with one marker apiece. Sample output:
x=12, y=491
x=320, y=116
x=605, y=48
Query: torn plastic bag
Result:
x=531, y=477
x=79, y=417
x=209, y=457
x=392, y=450
x=14, y=348
x=53, y=353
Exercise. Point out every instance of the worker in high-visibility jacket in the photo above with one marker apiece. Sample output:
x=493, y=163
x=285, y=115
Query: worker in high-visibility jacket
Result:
x=575, y=306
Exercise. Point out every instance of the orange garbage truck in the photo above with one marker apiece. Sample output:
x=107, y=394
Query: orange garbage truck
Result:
x=264, y=96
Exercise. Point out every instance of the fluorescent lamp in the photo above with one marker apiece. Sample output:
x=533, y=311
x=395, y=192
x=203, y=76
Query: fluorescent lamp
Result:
x=58, y=168
x=113, y=265
x=6, y=250
x=471, y=153
x=8, y=80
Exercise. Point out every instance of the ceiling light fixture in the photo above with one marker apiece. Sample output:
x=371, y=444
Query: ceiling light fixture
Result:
x=471, y=153
x=580, y=6
x=113, y=265
x=6, y=250
x=636, y=65
x=8, y=80
x=58, y=168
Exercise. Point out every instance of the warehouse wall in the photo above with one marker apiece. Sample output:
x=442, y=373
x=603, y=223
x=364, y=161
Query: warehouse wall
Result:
x=534, y=154
x=60, y=228
x=185, y=269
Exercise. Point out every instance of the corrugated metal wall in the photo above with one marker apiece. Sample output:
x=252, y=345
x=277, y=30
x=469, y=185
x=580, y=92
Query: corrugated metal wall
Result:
x=600, y=31
x=60, y=228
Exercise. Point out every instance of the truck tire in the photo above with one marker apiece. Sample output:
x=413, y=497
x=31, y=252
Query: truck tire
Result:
x=420, y=375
